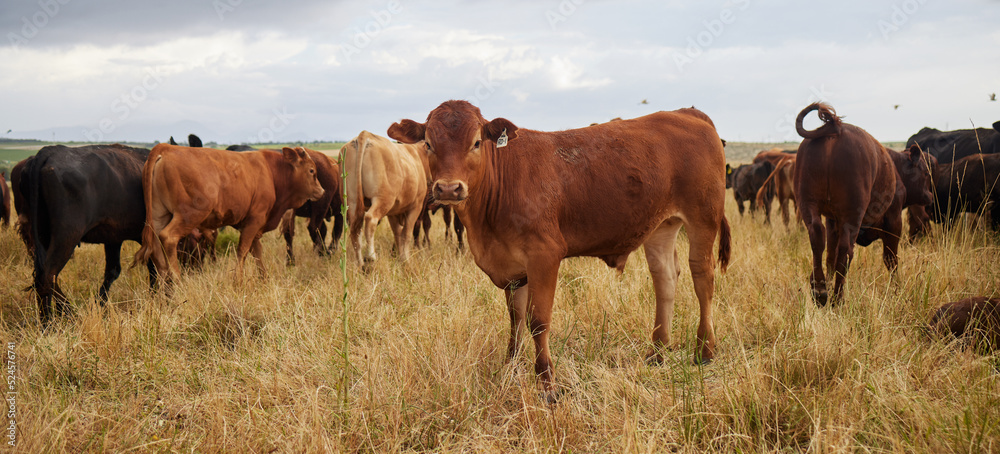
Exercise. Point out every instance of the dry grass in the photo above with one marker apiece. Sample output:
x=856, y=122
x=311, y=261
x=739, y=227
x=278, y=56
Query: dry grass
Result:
x=257, y=366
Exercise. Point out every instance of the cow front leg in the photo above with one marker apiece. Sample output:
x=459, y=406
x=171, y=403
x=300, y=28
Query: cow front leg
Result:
x=543, y=274
x=516, y=294
x=287, y=228
x=258, y=254
x=893, y=230
x=112, y=269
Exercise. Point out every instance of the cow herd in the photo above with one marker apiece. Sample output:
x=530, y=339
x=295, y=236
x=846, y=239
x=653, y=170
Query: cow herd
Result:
x=526, y=200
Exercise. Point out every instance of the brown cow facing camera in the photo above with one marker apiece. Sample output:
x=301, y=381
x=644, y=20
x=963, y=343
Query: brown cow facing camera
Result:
x=203, y=188
x=844, y=175
x=529, y=199
x=976, y=319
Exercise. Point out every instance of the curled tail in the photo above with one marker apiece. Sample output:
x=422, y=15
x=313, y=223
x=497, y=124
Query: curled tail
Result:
x=831, y=122
x=149, y=237
x=725, y=246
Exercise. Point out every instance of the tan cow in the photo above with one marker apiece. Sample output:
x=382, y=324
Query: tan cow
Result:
x=384, y=179
x=204, y=188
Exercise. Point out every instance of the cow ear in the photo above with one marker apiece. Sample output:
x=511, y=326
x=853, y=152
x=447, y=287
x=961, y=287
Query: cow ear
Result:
x=729, y=169
x=301, y=152
x=914, y=153
x=407, y=131
x=494, y=129
x=996, y=126
x=290, y=154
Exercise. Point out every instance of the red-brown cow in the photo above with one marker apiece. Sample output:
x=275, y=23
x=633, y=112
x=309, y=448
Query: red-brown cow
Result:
x=529, y=199
x=319, y=211
x=784, y=189
x=976, y=319
x=843, y=174
x=204, y=188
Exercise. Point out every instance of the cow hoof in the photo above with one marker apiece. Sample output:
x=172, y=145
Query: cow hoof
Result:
x=701, y=361
x=820, y=298
x=550, y=397
x=655, y=356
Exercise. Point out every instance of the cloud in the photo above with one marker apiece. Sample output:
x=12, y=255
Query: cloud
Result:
x=340, y=67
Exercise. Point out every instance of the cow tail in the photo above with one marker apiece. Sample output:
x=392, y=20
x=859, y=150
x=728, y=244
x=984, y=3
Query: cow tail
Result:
x=831, y=122
x=33, y=173
x=149, y=238
x=359, y=203
x=770, y=179
x=725, y=244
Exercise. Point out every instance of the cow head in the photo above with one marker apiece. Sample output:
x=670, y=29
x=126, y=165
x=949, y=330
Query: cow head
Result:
x=458, y=141
x=304, y=181
x=914, y=170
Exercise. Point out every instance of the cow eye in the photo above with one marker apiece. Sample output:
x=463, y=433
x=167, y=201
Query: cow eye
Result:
x=476, y=145
x=427, y=146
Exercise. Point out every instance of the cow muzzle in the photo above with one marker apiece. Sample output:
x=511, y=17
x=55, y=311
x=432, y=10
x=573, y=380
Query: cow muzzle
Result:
x=449, y=192
x=317, y=194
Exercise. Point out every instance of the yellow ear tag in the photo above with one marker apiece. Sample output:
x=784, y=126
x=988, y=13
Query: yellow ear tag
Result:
x=502, y=140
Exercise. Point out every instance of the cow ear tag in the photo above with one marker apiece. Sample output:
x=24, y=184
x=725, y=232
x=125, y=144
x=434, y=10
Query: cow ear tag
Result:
x=502, y=140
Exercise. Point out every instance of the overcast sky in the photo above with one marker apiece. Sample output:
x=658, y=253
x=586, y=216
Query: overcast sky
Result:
x=253, y=70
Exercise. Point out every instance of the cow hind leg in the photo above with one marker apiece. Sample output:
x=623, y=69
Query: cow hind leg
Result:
x=817, y=242
x=169, y=237
x=702, y=263
x=57, y=255
x=845, y=252
x=112, y=269
x=661, y=257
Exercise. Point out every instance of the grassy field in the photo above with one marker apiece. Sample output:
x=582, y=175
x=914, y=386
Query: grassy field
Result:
x=263, y=365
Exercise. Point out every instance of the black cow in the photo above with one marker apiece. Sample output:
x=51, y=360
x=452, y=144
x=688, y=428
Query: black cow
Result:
x=747, y=179
x=240, y=148
x=950, y=146
x=966, y=185
x=90, y=194
x=193, y=141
